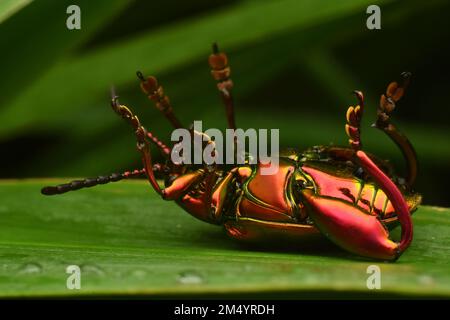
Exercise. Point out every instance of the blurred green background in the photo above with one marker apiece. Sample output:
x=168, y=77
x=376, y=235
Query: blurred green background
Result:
x=294, y=65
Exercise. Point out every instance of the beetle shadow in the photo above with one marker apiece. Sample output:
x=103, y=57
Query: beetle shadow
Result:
x=317, y=246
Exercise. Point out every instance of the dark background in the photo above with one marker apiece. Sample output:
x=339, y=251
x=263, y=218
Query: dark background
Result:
x=294, y=65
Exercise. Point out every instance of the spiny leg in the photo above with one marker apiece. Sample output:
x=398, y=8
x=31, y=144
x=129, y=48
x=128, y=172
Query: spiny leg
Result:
x=165, y=150
x=220, y=71
x=394, y=92
x=181, y=183
x=354, y=117
x=114, y=177
x=353, y=125
x=394, y=195
x=155, y=92
x=142, y=143
x=347, y=225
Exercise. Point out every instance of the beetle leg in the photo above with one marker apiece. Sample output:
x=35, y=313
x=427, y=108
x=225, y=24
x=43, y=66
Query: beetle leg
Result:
x=165, y=150
x=225, y=186
x=141, y=137
x=155, y=92
x=220, y=193
x=395, y=196
x=220, y=71
x=350, y=227
x=210, y=181
x=261, y=231
x=181, y=185
x=394, y=92
x=353, y=125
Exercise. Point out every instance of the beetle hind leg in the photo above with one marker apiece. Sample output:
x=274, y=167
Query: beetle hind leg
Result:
x=350, y=227
x=394, y=92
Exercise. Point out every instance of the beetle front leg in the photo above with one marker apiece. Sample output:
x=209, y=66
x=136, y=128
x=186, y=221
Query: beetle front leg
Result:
x=225, y=186
x=141, y=137
x=181, y=185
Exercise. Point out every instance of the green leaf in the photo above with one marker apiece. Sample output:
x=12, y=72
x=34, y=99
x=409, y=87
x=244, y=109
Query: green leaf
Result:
x=36, y=38
x=161, y=50
x=128, y=242
x=10, y=7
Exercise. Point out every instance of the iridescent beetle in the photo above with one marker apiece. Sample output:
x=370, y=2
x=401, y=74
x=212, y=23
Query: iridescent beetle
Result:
x=343, y=193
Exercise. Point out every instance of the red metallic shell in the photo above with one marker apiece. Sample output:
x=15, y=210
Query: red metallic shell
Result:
x=269, y=197
x=270, y=208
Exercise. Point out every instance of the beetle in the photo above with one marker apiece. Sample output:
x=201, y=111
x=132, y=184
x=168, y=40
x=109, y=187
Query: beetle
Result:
x=351, y=197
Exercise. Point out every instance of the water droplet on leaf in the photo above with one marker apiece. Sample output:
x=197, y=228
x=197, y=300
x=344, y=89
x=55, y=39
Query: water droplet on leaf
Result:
x=30, y=268
x=139, y=273
x=190, y=277
x=92, y=269
x=426, y=280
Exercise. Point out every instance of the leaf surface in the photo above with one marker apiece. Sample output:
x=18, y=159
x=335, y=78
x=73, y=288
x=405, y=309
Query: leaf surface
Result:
x=127, y=241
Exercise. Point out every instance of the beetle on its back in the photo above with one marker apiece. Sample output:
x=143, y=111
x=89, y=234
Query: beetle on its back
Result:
x=350, y=197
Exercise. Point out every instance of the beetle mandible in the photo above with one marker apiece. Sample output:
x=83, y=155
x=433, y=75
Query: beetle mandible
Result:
x=351, y=197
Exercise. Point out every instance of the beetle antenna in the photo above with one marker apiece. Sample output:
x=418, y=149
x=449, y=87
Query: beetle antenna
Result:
x=90, y=182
